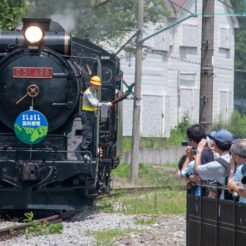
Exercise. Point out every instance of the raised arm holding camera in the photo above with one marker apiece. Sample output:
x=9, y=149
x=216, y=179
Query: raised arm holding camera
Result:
x=216, y=170
x=195, y=134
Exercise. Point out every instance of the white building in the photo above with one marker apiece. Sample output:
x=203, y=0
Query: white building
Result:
x=171, y=71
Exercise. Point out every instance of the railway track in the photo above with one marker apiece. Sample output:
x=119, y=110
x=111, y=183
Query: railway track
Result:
x=149, y=188
x=15, y=230
x=119, y=191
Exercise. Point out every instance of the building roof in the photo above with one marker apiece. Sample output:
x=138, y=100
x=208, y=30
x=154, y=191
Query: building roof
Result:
x=177, y=4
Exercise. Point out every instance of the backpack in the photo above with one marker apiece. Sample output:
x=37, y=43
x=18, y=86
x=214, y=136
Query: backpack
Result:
x=225, y=164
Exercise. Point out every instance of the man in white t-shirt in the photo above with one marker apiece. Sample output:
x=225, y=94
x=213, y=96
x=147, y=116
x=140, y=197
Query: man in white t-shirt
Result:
x=215, y=170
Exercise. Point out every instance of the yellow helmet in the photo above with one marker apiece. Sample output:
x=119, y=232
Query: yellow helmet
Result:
x=95, y=80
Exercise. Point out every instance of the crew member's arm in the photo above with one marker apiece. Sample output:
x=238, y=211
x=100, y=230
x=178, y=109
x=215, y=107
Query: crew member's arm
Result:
x=95, y=102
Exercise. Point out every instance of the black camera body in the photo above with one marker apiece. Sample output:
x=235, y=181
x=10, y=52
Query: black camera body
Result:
x=184, y=143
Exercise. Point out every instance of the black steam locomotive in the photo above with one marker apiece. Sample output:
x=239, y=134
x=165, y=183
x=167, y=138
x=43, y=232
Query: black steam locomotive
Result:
x=43, y=73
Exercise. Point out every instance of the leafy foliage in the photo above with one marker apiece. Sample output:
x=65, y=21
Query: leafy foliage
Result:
x=240, y=52
x=11, y=13
x=97, y=20
x=178, y=134
x=236, y=124
x=40, y=228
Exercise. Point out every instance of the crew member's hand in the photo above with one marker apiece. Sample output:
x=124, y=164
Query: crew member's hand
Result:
x=109, y=104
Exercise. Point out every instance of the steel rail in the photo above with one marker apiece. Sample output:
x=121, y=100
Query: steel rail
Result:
x=15, y=230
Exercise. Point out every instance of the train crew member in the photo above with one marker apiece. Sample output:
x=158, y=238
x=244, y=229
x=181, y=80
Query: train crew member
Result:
x=90, y=104
x=238, y=169
x=216, y=170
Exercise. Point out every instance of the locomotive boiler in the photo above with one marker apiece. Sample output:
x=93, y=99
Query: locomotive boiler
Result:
x=43, y=73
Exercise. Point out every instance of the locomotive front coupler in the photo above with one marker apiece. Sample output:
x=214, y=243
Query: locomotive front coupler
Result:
x=30, y=172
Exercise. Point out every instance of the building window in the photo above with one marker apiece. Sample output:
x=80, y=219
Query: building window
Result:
x=224, y=38
x=187, y=80
x=189, y=35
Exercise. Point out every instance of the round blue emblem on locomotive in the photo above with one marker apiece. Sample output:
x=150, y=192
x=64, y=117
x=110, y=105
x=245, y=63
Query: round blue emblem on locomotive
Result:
x=31, y=127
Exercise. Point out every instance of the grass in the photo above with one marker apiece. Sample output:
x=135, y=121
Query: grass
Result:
x=175, y=139
x=149, y=206
x=160, y=201
x=105, y=238
x=145, y=221
x=149, y=175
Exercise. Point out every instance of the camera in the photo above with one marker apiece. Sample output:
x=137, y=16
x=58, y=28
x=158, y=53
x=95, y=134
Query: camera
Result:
x=184, y=143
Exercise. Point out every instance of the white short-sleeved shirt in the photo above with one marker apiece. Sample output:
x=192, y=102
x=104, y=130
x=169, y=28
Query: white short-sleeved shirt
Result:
x=188, y=170
x=214, y=170
x=237, y=178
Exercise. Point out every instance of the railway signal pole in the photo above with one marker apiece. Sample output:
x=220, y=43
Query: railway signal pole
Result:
x=137, y=96
x=207, y=51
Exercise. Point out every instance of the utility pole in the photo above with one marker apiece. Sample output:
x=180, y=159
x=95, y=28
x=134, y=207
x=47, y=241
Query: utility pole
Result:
x=137, y=96
x=207, y=51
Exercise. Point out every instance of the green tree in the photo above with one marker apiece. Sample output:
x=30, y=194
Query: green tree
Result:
x=240, y=53
x=11, y=13
x=98, y=20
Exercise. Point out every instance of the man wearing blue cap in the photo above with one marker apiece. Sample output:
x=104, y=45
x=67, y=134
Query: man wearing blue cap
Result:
x=218, y=169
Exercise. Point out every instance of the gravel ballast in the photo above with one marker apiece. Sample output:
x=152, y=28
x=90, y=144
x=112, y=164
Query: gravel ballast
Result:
x=166, y=230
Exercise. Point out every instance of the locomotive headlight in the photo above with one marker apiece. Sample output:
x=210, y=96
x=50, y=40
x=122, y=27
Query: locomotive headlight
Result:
x=34, y=34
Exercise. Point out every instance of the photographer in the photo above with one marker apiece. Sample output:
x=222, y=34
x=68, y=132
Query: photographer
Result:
x=195, y=134
x=238, y=169
x=216, y=170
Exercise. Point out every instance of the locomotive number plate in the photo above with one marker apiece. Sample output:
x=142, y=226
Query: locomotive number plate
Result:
x=32, y=72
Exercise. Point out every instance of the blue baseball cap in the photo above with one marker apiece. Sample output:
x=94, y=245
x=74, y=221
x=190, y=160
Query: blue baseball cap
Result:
x=222, y=136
